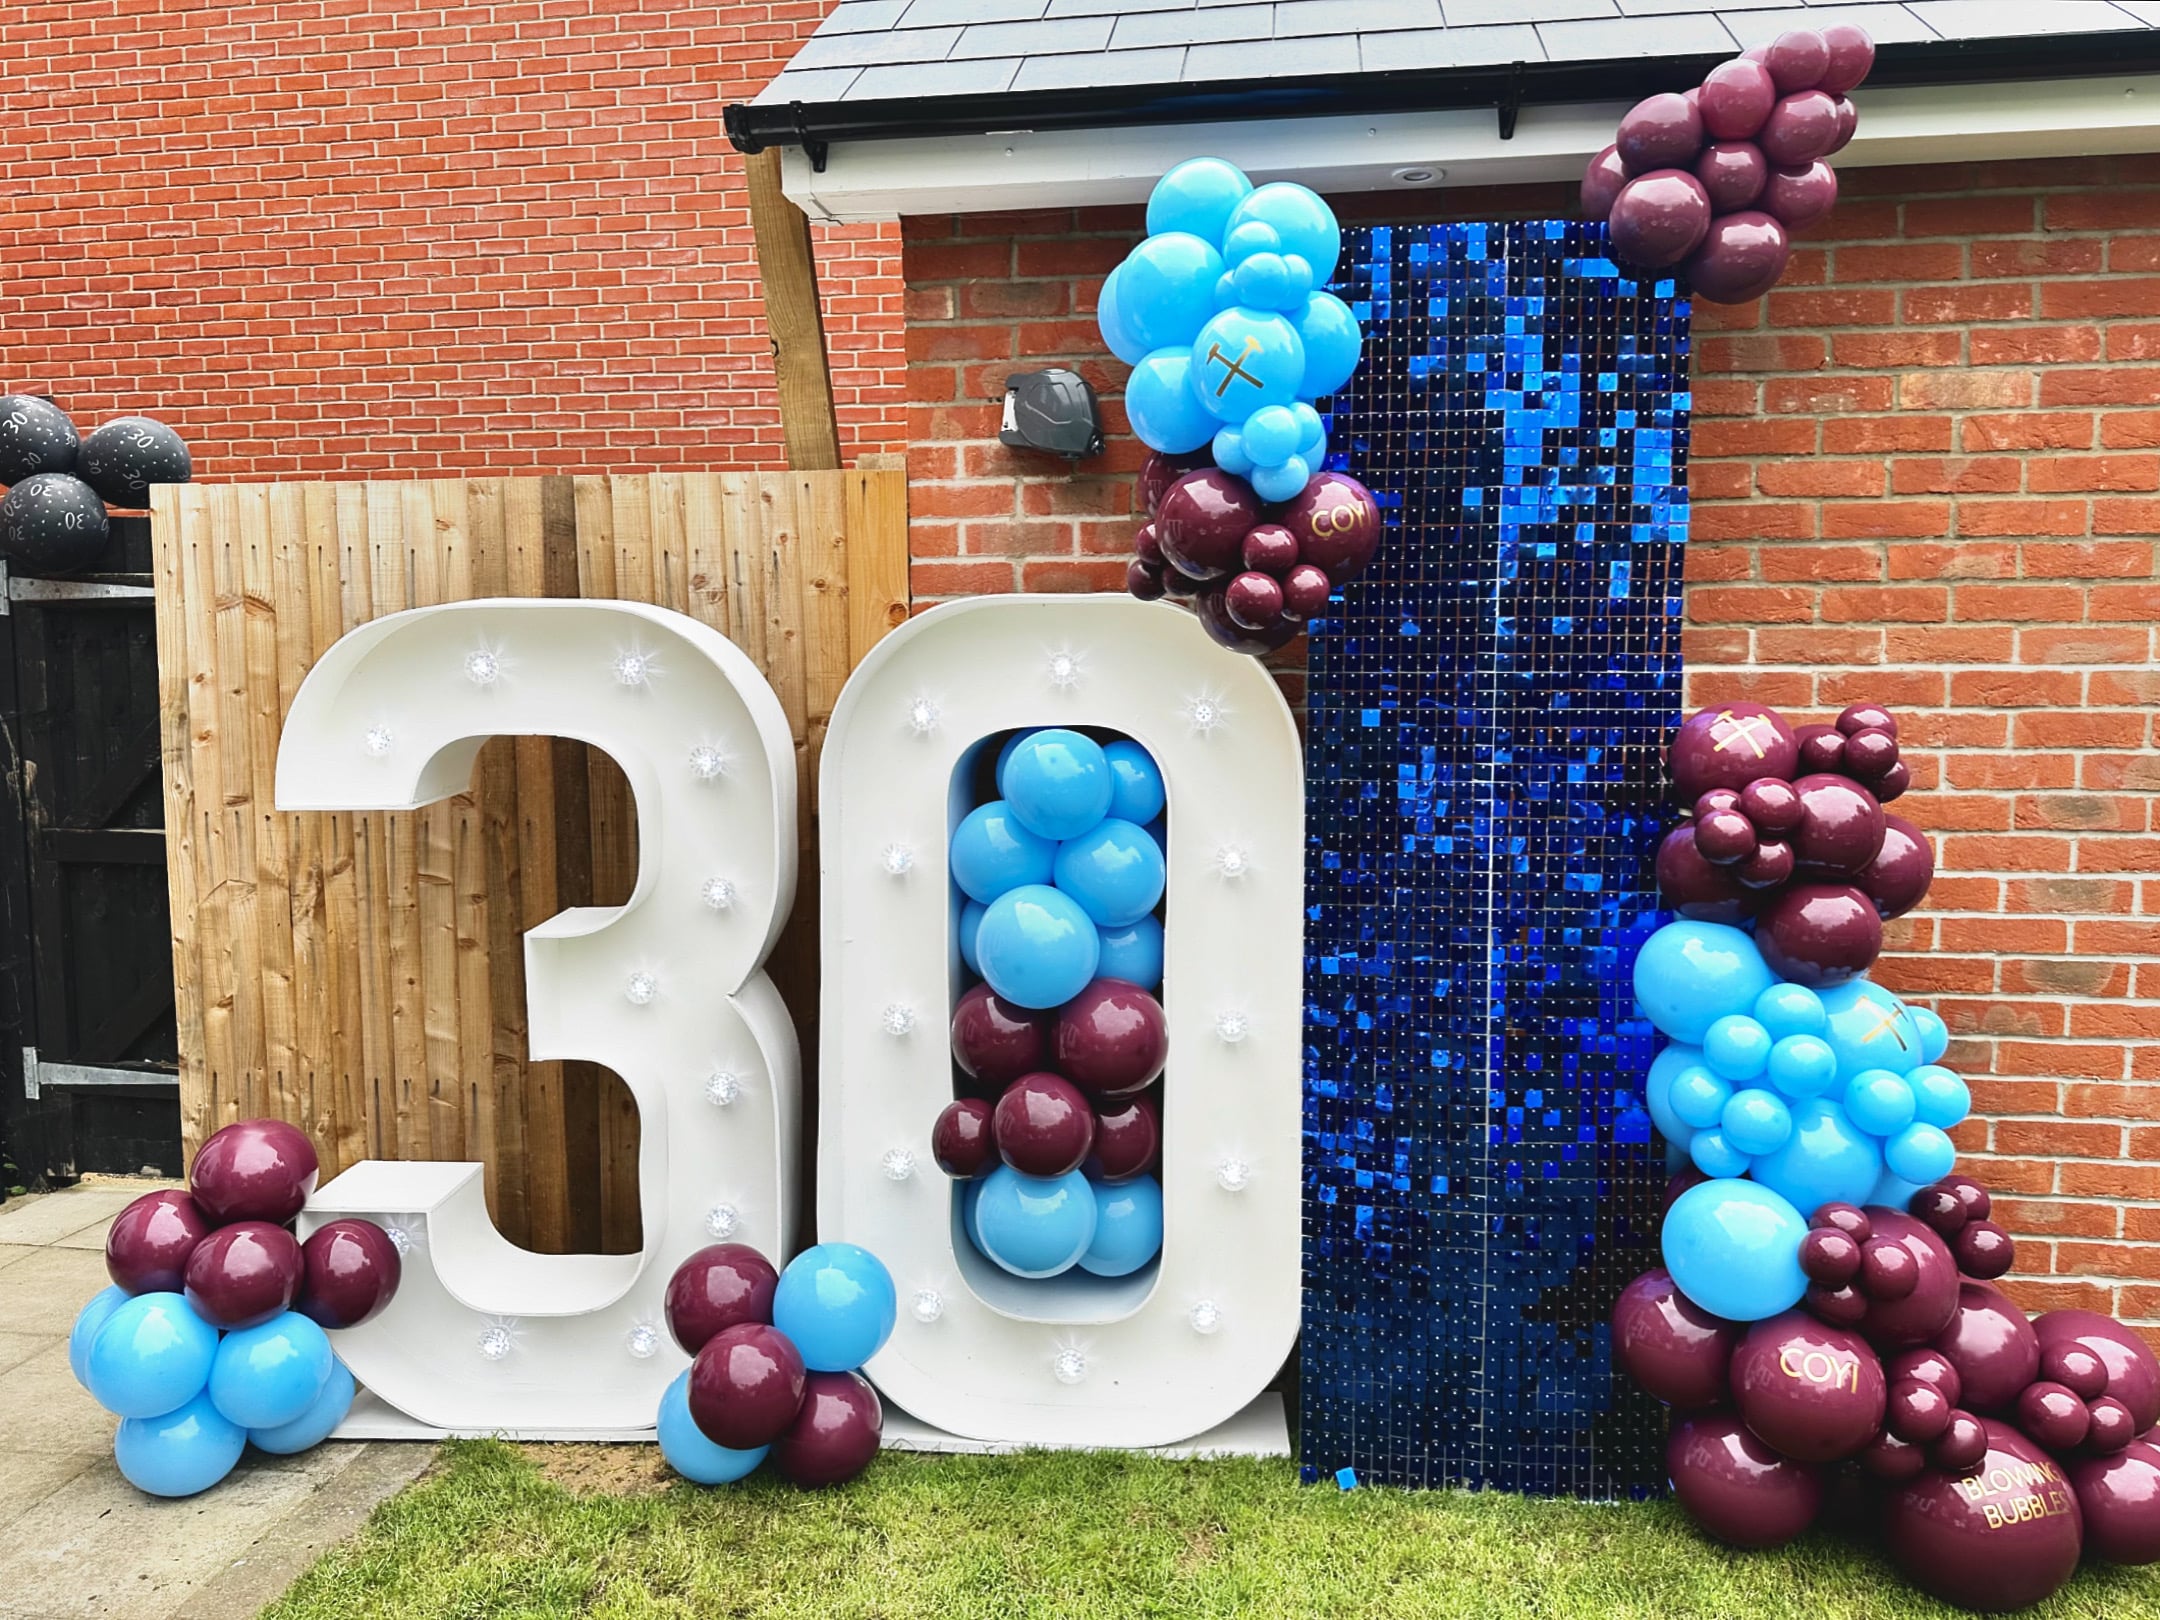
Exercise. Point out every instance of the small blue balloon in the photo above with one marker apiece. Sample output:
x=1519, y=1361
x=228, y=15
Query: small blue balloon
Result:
x=1230, y=452
x=1756, y=1121
x=152, y=1356
x=1031, y=1226
x=1115, y=870
x=1688, y=975
x=1161, y=405
x=1167, y=291
x=1281, y=483
x=1870, y=1028
x=1241, y=242
x=1733, y=1247
x=1128, y=1227
x=1271, y=435
x=312, y=1427
x=971, y=916
x=1737, y=1047
x=687, y=1450
x=1329, y=331
x=1116, y=338
x=1265, y=281
x=994, y=852
x=970, y=1197
x=1225, y=290
x=837, y=1302
x=1891, y=1192
x=266, y=1376
x=179, y=1453
x=1036, y=947
x=1244, y=359
x=1133, y=953
x=1301, y=221
x=87, y=1322
x=1677, y=1157
x=1828, y=1159
x=1301, y=280
x=1790, y=1009
x=1920, y=1154
x=1699, y=1097
x=1940, y=1097
x=1715, y=1155
x=1934, y=1034
x=1137, y=793
x=1058, y=783
x=1879, y=1102
x=1312, y=434
x=1802, y=1066
x=1666, y=1067
x=1198, y=196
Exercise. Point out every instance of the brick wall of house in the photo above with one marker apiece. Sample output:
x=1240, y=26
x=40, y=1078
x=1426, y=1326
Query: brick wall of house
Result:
x=327, y=238
x=1926, y=470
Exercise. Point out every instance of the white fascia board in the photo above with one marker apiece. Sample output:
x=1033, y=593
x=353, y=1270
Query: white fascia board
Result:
x=886, y=179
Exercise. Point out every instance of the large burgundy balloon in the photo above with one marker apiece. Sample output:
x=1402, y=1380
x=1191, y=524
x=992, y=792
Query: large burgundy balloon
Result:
x=1819, y=934
x=1801, y=128
x=1601, y=183
x=1729, y=746
x=1737, y=1488
x=1733, y=174
x=1897, y=1324
x=1740, y=259
x=1677, y=1351
x=1212, y=608
x=1659, y=218
x=1337, y=524
x=1797, y=60
x=1798, y=197
x=148, y=1244
x=257, y=1170
x=1254, y=601
x=2119, y=1497
x=1850, y=56
x=1663, y=131
x=1999, y=1539
x=1691, y=886
x=244, y=1274
x=1111, y=1040
x=1897, y=878
x=722, y=1285
x=1736, y=97
x=1808, y=1390
x=834, y=1435
x=1202, y=520
x=1128, y=1139
x=1160, y=471
x=1992, y=1346
x=1841, y=825
x=1044, y=1126
x=2133, y=1375
x=961, y=1141
x=996, y=1042
x=350, y=1270
x=746, y=1386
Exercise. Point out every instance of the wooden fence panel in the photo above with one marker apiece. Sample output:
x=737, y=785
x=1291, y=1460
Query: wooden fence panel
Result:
x=362, y=974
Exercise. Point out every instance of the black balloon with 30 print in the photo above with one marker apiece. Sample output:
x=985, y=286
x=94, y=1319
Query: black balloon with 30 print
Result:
x=122, y=459
x=35, y=437
x=53, y=523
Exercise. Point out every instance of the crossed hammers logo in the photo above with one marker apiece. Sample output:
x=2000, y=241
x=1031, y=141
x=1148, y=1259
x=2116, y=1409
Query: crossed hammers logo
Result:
x=1743, y=730
x=1237, y=366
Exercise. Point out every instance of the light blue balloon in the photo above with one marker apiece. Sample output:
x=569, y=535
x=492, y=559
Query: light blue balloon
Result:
x=1715, y=1155
x=87, y=1322
x=1312, y=426
x=1110, y=323
x=1790, y=1009
x=837, y=1302
x=1241, y=242
x=1304, y=224
x=1115, y=871
x=1756, y=1121
x=1198, y=197
x=1688, y=975
x=1244, y=359
x=1934, y=1034
x=266, y=1376
x=1666, y=1067
x=1271, y=435
x=312, y=1427
x=1737, y=1047
x=1229, y=451
x=1133, y=953
x=1870, y=1028
x=1677, y=1158
x=1891, y=1192
x=1128, y=1227
x=1879, y=1102
x=1031, y=1226
x=179, y=1453
x=1940, y=1097
x=1267, y=281
x=1802, y=1066
x=152, y=1356
x=1332, y=342
x=1699, y=1097
x=1161, y=405
x=1828, y=1159
x=1733, y=1247
x=970, y=1198
x=971, y=916
x=1137, y=793
x=1281, y=483
x=1005, y=749
x=687, y=1450
x=1920, y=1154
x=994, y=852
x=1225, y=290
x=1058, y=783
x=1036, y=947
x=1167, y=291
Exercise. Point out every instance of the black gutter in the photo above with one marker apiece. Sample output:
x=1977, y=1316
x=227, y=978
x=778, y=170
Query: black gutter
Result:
x=1504, y=87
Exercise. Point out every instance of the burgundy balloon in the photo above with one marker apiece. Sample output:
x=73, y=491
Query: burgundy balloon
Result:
x=148, y=1244
x=1798, y=197
x=1984, y=1250
x=1306, y=589
x=1993, y=1347
x=1840, y=1307
x=961, y=1141
x=1893, y=1460
x=996, y=1042
x=1663, y=131
x=1797, y=60
x=1677, y=1351
x=244, y=1274
x=1044, y=1125
x=746, y=1386
x=2110, y=1426
x=722, y=1285
x=349, y=1272
x=1801, y=128
x=1807, y=1390
x=1819, y=934
x=2053, y=1416
x=1659, y=218
x=1692, y=887
x=1741, y=257
x=1772, y=863
x=1894, y=784
x=1111, y=1040
x=1147, y=546
x=1128, y=1140
x=1829, y=1257
x=1716, y=800
x=1864, y=715
x=1961, y=1445
x=2073, y=1365
x=1975, y=1200
x=1897, y=878
x=1601, y=183
x=2119, y=1497
x=1337, y=524
x=1772, y=804
x=1160, y=471
x=2005, y=1537
x=1725, y=838
x=1213, y=612
x=1145, y=580
x=1841, y=825
x=1822, y=747
x=1887, y=1270
x=1733, y=174
x=1270, y=548
x=1849, y=55
x=1729, y=746
x=1897, y=1324
x=1869, y=755
x=1737, y=1488
x=1850, y=1219
x=1202, y=520
x=2133, y=1377
x=1939, y=1206
x=257, y=1170
x=1917, y=1412
x=835, y=1433
x=1736, y=97
x=1930, y=1367
x=1179, y=585
x=1848, y=125
x=1254, y=601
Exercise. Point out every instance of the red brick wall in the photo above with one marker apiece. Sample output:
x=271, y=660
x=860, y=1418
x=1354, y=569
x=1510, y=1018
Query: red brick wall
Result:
x=323, y=238
x=1927, y=470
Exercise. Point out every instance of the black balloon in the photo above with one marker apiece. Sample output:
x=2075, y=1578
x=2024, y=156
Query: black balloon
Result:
x=53, y=523
x=122, y=459
x=35, y=437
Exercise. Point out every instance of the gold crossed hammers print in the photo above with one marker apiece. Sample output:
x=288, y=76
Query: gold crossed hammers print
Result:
x=1743, y=730
x=1237, y=369
x=1886, y=1022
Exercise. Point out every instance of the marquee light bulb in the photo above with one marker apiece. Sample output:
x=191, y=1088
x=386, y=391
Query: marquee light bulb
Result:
x=1232, y=862
x=495, y=1342
x=1065, y=670
x=1232, y=1026
x=929, y=1305
x=1069, y=1365
x=401, y=1238
x=898, y=1019
x=641, y=988
x=1233, y=1174
x=898, y=860
x=482, y=667
x=899, y=1164
x=722, y=1088
x=1206, y=713
x=923, y=715
x=1206, y=1316
x=378, y=740
x=707, y=763
x=635, y=668
x=723, y=1220
x=718, y=893
x=642, y=1341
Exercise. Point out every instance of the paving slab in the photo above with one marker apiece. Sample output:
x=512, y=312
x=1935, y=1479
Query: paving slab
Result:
x=16, y=1348
x=46, y=1291
x=12, y=1252
x=28, y=1477
x=42, y=1408
x=54, y=1216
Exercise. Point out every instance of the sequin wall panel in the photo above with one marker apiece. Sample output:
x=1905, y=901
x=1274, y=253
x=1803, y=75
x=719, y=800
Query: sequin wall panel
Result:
x=1483, y=807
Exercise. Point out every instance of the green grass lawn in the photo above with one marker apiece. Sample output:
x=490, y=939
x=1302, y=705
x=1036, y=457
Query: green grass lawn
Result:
x=1065, y=1536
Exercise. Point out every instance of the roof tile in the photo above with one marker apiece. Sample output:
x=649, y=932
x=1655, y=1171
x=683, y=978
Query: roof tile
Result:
x=1160, y=66
x=1262, y=59
x=1055, y=36
x=1192, y=26
x=1887, y=24
x=809, y=85
x=1296, y=17
x=1471, y=13
x=858, y=50
x=904, y=81
x=1613, y=38
x=1983, y=19
x=1451, y=47
x=863, y=16
x=946, y=13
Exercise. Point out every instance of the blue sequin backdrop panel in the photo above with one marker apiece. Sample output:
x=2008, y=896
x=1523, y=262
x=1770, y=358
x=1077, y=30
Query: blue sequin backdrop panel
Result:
x=1486, y=710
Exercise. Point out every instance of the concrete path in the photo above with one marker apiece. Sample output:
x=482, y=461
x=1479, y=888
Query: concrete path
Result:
x=75, y=1538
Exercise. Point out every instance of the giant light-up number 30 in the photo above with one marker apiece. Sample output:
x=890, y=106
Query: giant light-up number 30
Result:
x=666, y=990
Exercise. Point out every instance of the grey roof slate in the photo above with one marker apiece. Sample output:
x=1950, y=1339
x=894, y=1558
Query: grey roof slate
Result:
x=880, y=50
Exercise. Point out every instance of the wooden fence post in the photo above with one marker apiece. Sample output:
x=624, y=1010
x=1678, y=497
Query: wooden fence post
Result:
x=788, y=274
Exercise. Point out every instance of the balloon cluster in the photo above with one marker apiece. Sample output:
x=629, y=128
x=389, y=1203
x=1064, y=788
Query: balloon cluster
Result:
x=1787, y=833
x=774, y=1359
x=1057, y=1136
x=2003, y=1448
x=211, y=1337
x=53, y=519
x=1714, y=178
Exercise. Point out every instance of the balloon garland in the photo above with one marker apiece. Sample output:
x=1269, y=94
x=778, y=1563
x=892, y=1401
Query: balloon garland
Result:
x=53, y=520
